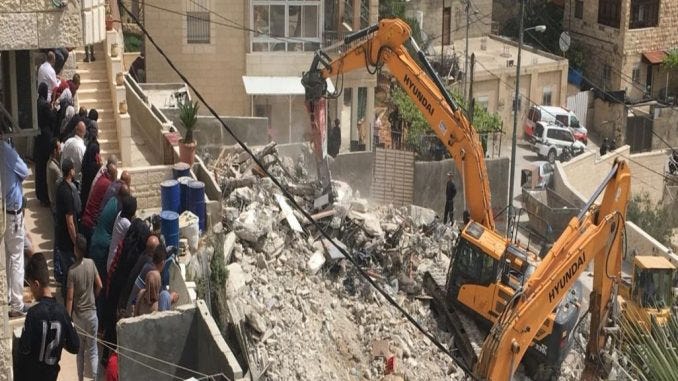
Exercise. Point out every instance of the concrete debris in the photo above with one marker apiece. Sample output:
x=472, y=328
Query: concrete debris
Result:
x=237, y=279
x=421, y=216
x=308, y=311
x=316, y=262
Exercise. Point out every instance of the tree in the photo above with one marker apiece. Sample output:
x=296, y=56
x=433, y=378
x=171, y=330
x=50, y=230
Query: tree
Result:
x=655, y=220
x=418, y=128
x=670, y=63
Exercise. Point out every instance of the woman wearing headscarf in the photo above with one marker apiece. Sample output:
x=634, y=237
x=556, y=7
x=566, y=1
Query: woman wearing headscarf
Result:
x=42, y=148
x=147, y=300
x=91, y=163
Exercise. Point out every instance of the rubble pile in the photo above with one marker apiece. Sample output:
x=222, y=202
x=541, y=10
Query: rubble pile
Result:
x=304, y=310
x=300, y=309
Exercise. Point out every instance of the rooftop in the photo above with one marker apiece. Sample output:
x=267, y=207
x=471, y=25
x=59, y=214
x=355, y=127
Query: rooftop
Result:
x=495, y=53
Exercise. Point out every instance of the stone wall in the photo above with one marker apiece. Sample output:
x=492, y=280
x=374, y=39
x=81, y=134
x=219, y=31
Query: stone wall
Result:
x=641, y=243
x=430, y=179
x=216, y=69
x=645, y=171
x=149, y=124
x=187, y=337
x=36, y=24
x=210, y=134
x=146, y=184
x=664, y=125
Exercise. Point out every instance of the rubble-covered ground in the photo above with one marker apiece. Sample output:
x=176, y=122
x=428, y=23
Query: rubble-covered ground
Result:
x=308, y=313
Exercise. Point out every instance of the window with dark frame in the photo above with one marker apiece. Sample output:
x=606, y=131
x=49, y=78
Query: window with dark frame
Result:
x=607, y=74
x=635, y=75
x=198, y=22
x=546, y=96
x=579, y=9
x=644, y=14
x=609, y=12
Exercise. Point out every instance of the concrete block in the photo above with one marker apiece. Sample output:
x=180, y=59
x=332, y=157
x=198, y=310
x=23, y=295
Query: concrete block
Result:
x=18, y=30
x=237, y=279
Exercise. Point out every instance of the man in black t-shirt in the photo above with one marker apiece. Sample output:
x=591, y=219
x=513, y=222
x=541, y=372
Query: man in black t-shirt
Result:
x=67, y=208
x=47, y=329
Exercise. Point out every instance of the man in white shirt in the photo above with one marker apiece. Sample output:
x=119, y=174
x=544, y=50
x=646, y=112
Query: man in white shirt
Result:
x=47, y=74
x=74, y=149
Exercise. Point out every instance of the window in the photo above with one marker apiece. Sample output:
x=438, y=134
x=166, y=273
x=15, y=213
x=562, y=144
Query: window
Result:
x=285, y=25
x=560, y=134
x=198, y=22
x=546, y=96
x=609, y=12
x=644, y=14
x=561, y=120
x=482, y=101
x=607, y=74
x=579, y=9
x=635, y=74
x=534, y=115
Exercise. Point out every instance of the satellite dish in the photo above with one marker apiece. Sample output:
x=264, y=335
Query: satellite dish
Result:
x=564, y=41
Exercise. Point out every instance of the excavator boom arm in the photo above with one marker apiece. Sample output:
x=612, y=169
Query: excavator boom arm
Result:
x=385, y=44
x=594, y=236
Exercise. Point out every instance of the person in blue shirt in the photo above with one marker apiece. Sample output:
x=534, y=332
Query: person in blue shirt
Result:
x=13, y=171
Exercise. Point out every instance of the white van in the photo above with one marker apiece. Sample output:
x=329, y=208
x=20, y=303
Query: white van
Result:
x=554, y=115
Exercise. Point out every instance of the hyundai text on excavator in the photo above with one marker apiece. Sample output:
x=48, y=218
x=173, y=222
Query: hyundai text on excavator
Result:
x=528, y=302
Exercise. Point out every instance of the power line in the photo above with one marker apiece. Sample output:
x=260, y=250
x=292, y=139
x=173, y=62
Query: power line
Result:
x=294, y=203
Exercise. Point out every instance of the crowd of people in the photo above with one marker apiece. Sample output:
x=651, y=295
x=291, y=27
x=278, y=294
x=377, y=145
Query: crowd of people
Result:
x=108, y=262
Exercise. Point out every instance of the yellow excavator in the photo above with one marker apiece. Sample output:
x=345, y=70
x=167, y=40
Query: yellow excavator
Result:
x=489, y=277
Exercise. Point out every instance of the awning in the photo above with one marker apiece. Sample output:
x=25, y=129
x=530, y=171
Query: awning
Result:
x=655, y=57
x=276, y=85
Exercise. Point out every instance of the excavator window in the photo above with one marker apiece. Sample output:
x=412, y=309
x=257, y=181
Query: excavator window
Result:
x=473, y=265
x=652, y=287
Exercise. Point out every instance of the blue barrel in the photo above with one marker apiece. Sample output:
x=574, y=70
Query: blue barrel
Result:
x=181, y=169
x=169, y=227
x=183, y=192
x=196, y=201
x=170, y=195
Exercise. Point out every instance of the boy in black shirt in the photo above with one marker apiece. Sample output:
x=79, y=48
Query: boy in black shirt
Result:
x=47, y=329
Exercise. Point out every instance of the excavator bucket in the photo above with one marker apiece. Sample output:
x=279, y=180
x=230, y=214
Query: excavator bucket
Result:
x=317, y=110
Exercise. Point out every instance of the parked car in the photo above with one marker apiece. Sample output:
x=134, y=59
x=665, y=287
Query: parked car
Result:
x=554, y=142
x=555, y=115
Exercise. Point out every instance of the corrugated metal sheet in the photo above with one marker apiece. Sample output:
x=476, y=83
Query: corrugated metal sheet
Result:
x=655, y=57
x=579, y=105
x=393, y=180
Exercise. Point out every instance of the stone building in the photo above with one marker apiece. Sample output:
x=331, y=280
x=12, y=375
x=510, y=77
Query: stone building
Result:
x=625, y=42
x=543, y=78
x=247, y=57
x=433, y=14
x=26, y=27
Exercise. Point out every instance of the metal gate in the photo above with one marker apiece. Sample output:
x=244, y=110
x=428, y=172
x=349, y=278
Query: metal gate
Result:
x=393, y=177
x=639, y=133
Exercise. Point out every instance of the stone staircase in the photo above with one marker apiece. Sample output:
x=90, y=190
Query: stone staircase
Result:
x=95, y=93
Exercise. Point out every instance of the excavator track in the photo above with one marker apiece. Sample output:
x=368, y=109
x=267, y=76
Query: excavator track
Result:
x=464, y=348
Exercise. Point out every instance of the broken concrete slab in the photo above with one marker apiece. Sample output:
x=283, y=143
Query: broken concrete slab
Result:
x=229, y=244
x=421, y=216
x=237, y=279
x=359, y=205
x=316, y=262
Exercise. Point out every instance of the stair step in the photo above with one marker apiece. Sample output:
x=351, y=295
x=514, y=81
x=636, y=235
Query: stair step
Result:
x=108, y=145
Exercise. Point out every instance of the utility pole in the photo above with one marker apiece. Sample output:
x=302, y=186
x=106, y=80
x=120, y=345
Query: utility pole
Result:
x=472, y=102
x=516, y=102
x=468, y=18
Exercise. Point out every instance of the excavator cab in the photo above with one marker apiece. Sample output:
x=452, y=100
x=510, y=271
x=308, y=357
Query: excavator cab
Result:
x=651, y=296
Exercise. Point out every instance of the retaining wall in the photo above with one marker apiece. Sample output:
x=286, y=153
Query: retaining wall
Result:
x=185, y=337
x=430, y=179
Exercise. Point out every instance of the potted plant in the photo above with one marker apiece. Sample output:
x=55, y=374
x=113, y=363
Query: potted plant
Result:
x=188, y=114
x=109, y=18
